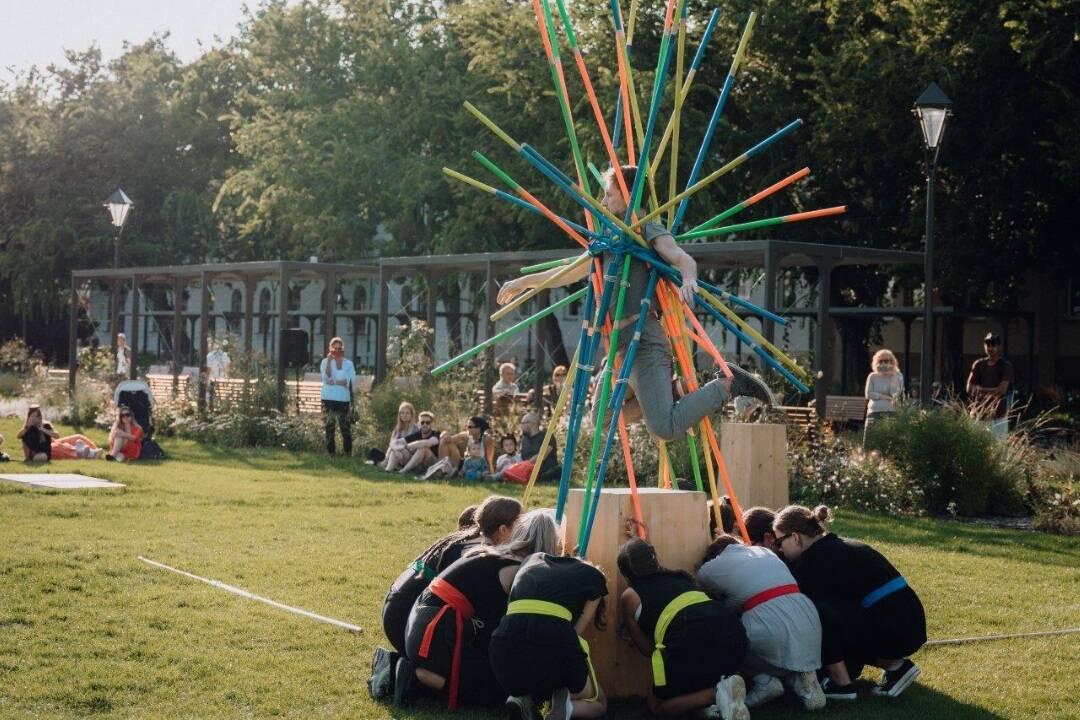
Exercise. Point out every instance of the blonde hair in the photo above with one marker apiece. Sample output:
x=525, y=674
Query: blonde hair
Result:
x=426, y=414
x=883, y=354
x=534, y=532
x=398, y=428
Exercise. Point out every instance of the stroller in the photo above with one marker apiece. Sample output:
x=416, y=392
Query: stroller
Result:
x=137, y=395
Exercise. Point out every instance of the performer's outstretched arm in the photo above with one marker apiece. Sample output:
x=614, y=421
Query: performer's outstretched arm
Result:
x=527, y=282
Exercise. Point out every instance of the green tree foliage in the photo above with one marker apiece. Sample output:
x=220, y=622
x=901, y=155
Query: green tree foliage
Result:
x=323, y=126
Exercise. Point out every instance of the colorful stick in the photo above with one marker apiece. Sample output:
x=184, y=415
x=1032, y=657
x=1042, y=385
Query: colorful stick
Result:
x=767, y=222
x=753, y=199
x=552, y=281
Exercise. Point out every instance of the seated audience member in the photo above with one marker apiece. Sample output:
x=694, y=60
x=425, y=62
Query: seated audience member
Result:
x=474, y=466
x=217, y=360
x=532, y=437
x=4, y=457
x=76, y=447
x=396, y=452
x=422, y=445
x=36, y=438
x=507, y=385
x=510, y=455
x=477, y=432
x=552, y=390
x=125, y=438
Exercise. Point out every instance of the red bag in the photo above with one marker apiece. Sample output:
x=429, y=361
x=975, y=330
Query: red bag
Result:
x=519, y=473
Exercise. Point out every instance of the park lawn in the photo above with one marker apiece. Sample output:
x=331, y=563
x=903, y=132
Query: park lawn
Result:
x=87, y=629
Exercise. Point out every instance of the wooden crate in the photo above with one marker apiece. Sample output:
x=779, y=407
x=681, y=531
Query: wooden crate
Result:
x=678, y=525
x=756, y=459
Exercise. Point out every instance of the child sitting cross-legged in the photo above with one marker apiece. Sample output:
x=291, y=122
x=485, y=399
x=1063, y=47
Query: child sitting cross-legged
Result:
x=510, y=455
x=475, y=467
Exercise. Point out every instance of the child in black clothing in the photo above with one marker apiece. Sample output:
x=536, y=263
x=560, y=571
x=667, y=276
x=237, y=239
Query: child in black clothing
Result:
x=36, y=436
x=697, y=646
x=869, y=613
x=537, y=651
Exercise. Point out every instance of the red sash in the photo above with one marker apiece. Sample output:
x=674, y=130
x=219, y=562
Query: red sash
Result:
x=463, y=610
x=767, y=595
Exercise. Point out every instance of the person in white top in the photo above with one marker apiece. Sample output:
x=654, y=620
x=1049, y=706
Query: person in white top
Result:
x=884, y=388
x=217, y=361
x=338, y=375
x=123, y=355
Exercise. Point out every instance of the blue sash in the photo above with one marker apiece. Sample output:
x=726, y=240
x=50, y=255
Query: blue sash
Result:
x=897, y=583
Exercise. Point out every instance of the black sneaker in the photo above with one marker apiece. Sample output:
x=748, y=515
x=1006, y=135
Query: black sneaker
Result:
x=381, y=682
x=748, y=384
x=520, y=707
x=404, y=681
x=894, y=682
x=838, y=692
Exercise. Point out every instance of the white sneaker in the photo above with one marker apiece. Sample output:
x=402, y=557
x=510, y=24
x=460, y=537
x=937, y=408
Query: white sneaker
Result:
x=765, y=688
x=806, y=686
x=442, y=466
x=731, y=698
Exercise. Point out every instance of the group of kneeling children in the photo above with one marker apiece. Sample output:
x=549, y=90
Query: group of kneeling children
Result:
x=494, y=613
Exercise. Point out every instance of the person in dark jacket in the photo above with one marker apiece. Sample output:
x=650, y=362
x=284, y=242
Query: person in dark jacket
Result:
x=869, y=613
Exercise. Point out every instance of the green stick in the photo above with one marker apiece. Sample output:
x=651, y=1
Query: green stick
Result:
x=508, y=332
x=540, y=267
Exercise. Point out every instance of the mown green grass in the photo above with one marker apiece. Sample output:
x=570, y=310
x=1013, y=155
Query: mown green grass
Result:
x=86, y=629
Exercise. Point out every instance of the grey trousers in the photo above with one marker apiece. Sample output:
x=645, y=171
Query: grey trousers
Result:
x=650, y=378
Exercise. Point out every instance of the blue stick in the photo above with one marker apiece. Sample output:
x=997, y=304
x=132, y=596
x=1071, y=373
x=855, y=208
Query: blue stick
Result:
x=577, y=399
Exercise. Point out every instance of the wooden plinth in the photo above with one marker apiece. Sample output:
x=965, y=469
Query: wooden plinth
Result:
x=678, y=526
x=756, y=458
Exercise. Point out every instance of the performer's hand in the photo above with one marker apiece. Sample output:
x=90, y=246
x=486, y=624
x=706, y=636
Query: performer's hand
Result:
x=511, y=289
x=687, y=291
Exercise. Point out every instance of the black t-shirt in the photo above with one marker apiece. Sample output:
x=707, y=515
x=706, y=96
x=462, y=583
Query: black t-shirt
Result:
x=530, y=448
x=565, y=581
x=477, y=578
x=987, y=375
x=37, y=441
x=412, y=582
x=656, y=591
x=841, y=571
x=418, y=435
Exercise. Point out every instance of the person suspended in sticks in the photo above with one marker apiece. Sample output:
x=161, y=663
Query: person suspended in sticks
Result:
x=651, y=372
x=696, y=645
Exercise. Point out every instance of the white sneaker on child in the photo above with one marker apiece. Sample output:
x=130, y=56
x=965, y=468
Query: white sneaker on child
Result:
x=806, y=686
x=731, y=698
x=764, y=689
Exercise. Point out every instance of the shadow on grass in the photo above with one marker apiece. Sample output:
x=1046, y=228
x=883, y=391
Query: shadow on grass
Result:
x=961, y=538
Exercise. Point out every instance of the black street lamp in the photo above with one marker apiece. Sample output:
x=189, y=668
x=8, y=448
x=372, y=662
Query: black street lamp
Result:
x=119, y=206
x=933, y=109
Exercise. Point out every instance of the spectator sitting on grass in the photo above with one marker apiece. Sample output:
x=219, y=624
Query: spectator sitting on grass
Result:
x=422, y=445
x=507, y=385
x=532, y=437
x=4, y=457
x=36, y=437
x=125, y=438
x=475, y=467
x=450, y=454
x=510, y=455
x=396, y=453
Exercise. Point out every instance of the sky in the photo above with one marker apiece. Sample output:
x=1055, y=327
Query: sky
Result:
x=36, y=32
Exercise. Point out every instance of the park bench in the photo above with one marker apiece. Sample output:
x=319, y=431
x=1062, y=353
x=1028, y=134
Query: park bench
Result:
x=504, y=405
x=801, y=421
x=161, y=385
x=843, y=409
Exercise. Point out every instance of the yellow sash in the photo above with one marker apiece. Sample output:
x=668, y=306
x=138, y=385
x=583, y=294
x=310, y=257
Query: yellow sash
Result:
x=681, y=602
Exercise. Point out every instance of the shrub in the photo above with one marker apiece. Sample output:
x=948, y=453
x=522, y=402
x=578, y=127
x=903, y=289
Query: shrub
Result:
x=17, y=357
x=953, y=458
x=302, y=433
x=1056, y=502
x=11, y=385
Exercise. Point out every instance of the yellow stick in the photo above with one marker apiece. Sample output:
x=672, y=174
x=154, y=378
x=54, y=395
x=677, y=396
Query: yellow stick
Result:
x=553, y=421
x=550, y=282
x=665, y=467
x=707, y=180
x=712, y=480
x=758, y=337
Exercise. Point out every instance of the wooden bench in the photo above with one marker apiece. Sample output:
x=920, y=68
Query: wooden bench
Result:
x=842, y=409
x=801, y=421
x=56, y=376
x=161, y=386
x=505, y=405
x=306, y=396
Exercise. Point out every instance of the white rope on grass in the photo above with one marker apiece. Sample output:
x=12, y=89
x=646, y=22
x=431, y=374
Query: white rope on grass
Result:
x=251, y=596
x=1012, y=636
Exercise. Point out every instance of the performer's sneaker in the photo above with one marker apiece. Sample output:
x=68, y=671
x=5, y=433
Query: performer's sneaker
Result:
x=764, y=689
x=747, y=384
x=894, y=682
x=833, y=691
x=561, y=705
x=807, y=687
x=731, y=698
x=404, y=681
x=520, y=707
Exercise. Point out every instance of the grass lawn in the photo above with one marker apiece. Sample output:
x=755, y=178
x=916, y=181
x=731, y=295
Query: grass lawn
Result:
x=87, y=629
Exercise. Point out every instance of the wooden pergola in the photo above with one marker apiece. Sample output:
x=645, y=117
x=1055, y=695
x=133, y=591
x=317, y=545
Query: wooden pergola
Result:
x=772, y=255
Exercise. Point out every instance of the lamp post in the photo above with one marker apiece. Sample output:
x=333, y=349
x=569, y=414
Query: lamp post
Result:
x=933, y=109
x=119, y=206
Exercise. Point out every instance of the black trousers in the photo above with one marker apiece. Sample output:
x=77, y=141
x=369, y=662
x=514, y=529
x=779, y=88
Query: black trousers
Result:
x=337, y=411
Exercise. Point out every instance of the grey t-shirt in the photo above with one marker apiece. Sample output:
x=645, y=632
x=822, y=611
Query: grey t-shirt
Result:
x=637, y=280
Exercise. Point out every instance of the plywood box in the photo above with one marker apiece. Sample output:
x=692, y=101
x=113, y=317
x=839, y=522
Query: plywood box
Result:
x=678, y=526
x=756, y=458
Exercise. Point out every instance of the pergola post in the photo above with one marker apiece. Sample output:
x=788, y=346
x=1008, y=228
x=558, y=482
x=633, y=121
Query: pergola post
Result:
x=283, y=328
x=823, y=341
x=431, y=310
x=329, y=324
x=204, y=331
x=490, y=292
x=133, y=367
x=381, y=328
x=73, y=338
x=249, y=315
x=907, y=349
x=771, y=263
x=177, y=329
x=114, y=310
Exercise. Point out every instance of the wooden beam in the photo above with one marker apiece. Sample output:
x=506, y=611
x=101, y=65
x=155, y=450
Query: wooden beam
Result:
x=133, y=367
x=381, y=330
x=204, y=336
x=73, y=339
